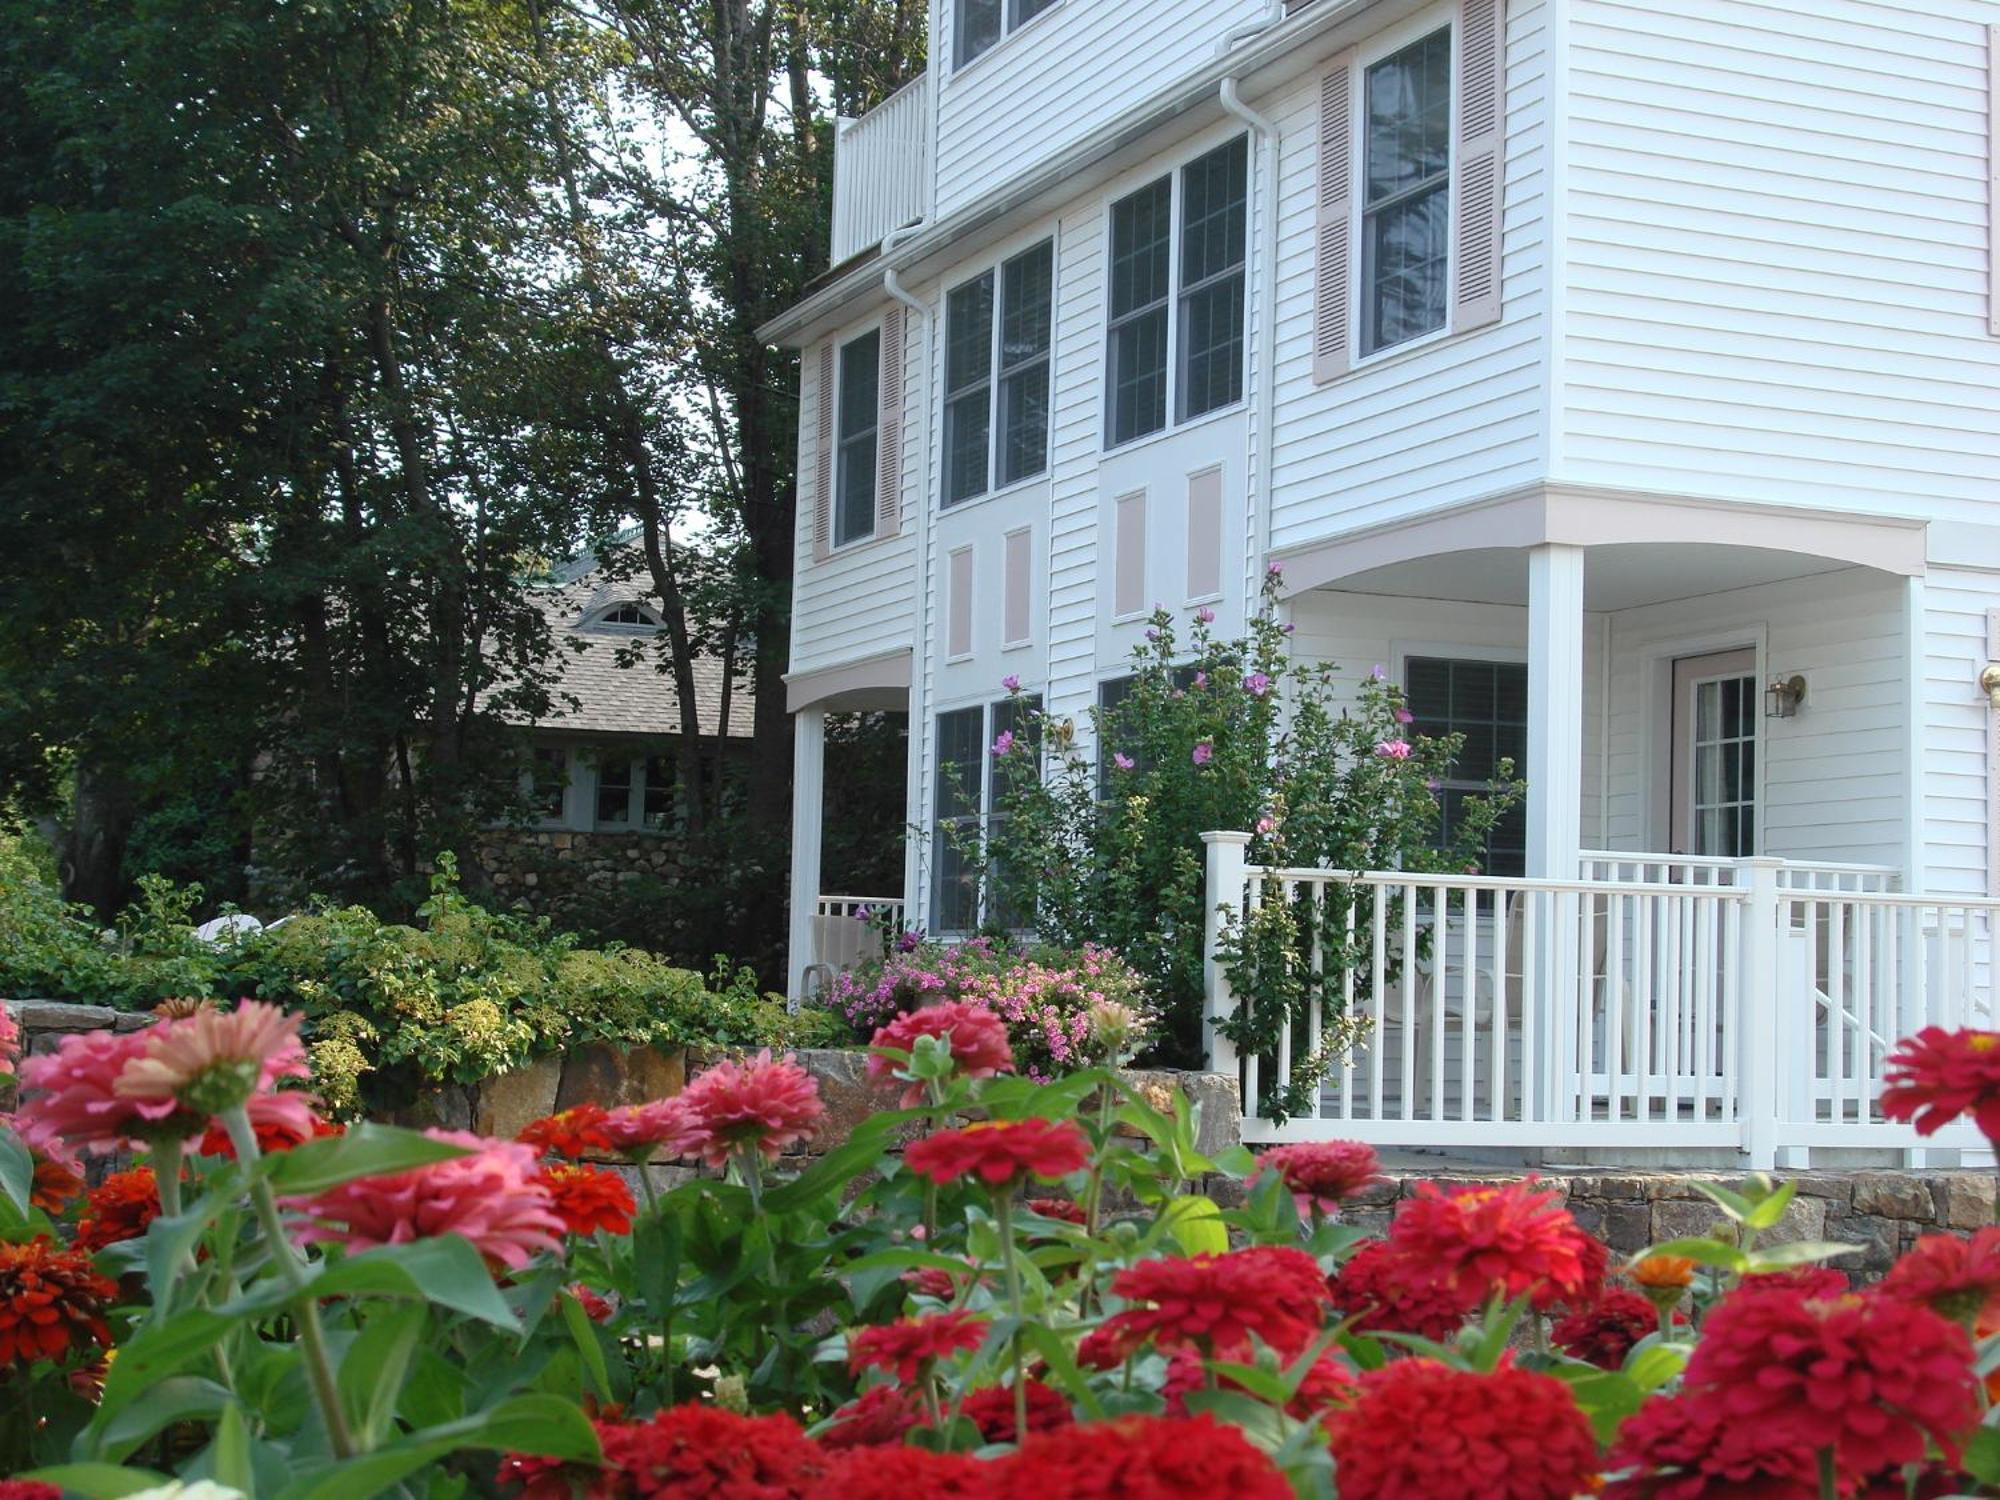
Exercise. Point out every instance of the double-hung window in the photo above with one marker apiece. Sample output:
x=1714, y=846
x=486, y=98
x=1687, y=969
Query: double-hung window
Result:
x=859, y=413
x=1487, y=703
x=981, y=23
x=997, y=375
x=548, y=783
x=1406, y=202
x=635, y=792
x=1190, y=303
x=973, y=781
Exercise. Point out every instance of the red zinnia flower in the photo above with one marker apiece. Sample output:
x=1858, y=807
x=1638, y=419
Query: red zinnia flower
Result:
x=1604, y=1334
x=907, y=1345
x=1321, y=1174
x=700, y=1450
x=573, y=1132
x=1140, y=1458
x=1065, y=1209
x=901, y=1473
x=1328, y=1384
x=1000, y=1152
x=1870, y=1377
x=1481, y=1241
x=49, y=1300
x=764, y=1104
x=1955, y=1278
x=1420, y=1427
x=1217, y=1302
x=991, y=1410
x=1807, y=1281
x=934, y=1282
x=28, y=1489
x=594, y=1306
x=118, y=1208
x=1935, y=1076
x=1392, y=1294
x=878, y=1417
x=588, y=1199
x=977, y=1038
x=272, y=1136
x=1688, y=1448
x=1101, y=1349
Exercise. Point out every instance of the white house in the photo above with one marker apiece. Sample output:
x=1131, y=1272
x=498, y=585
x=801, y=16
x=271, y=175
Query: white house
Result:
x=1624, y=375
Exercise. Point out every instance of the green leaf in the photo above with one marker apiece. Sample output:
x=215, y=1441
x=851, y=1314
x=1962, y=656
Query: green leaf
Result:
x=156, y=1406
x=98, y=1481
x=153, y=1355
x=1653, y=1362
x=1800, y=1253
x=364, y=1151
x=1197, y=1225
x=1607, y=1397
x=1982, y=1456
x=584, y=1333
x=372, y=1372
x=446, y=1271
x=1771, y=1208
x=229, y=1451
x=548, y=1426
x=834, y=1170
x=1705, y=1252
x=1732, y=1203
x=1059, y=1352
x=17, y=1172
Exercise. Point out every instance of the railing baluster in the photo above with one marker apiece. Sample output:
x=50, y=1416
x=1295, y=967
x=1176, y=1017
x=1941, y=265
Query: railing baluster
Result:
x=1378, y=992
x=1409, y=987
x=1352, y=895
x=1469, y=999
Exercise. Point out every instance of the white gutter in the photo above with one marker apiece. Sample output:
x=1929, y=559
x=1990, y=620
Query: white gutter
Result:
x=1270, y=18
x=1259, y=494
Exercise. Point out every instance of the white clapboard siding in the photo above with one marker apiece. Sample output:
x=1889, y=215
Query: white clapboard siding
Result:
x=1778, y=252
x=1956, y=765
x=1076, y=416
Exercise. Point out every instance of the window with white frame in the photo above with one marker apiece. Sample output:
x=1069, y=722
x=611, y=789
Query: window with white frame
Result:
x=855, y=453
x=635, y=792
x=548, y=783
x=1188, y=305
x=627, y=616
x=997, y=375
x=979, y=750
x=1486, y=702
x=982, y=23
x=1406, y=193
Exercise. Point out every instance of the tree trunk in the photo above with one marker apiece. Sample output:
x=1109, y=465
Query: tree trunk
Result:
x=103, y=810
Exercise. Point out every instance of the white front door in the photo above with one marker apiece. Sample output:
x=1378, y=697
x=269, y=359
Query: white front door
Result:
x=1714, y=760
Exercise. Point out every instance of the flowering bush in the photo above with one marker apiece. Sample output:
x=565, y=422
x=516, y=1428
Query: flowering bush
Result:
x=1006, y=1288
x=1053, y=1001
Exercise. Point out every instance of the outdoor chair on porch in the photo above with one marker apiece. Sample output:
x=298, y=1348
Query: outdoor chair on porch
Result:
x=841, y=943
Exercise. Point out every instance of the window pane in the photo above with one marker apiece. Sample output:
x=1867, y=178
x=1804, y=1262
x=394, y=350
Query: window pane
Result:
x=968, y=341
x=961, y=757
x=550, y=781
x=1139, y=376
x=1212, y=336
x=660, y=777
x=1024, y=423
x=1141, y=235
x=1406, y=248
x=1409, y=117
x=1212, y=198
x=1029, y=282
x=1027, y=10
x=978, y=27
x=614, y=792
x=860, y=376
x=1486, y=702
x=967, y=420
x=855, y=517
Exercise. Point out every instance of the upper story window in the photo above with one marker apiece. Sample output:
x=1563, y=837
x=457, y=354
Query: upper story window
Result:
x=860, y=412
x=997, y=375
x=626, y=616
x=1190, y=303
x=982, y=23
x=1406, y=205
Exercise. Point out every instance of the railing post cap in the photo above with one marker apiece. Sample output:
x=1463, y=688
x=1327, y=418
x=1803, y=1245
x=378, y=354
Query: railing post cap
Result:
x=1763, y=862
x=1225, y=836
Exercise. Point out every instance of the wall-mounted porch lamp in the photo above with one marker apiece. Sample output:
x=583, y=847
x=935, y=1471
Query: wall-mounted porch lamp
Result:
x=1989, y=682
x=1783, y=697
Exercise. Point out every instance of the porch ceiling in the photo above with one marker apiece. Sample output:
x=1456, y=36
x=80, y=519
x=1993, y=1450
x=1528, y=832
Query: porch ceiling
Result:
x=1614, y=578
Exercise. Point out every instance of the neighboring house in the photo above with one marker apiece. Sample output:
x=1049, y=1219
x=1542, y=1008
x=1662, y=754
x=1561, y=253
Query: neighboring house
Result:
x=1623, y=375
x=604, y=785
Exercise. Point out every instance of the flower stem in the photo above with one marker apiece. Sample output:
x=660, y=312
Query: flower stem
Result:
x=1829, y=1477
x=167, y=1175
x=1003, y=1214
x=291, y=1265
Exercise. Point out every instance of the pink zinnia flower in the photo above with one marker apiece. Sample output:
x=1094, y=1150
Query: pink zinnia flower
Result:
x=1394, y=749
x=72, y=1104
x=1203, y=753
x=758, y=1103
x=213, y=1060
x=10, y=1042
x=493, y=1196
x=640, y=1130
x=977, y=1038
x=1122, y=761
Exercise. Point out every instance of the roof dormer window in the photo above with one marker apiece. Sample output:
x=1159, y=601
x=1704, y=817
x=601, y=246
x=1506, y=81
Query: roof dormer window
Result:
x=626, y=616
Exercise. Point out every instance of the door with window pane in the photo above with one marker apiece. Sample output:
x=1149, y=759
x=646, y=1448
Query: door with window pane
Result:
x=1714, y=759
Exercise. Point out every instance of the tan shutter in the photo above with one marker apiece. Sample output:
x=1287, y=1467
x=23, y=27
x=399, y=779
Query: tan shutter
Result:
x=822, y=489
x=1333, y=271
x=889, y=465
x=1993, y=180
x=1482, y=115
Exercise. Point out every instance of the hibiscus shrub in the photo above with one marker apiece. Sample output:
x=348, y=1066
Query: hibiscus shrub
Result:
x=1000, y=1287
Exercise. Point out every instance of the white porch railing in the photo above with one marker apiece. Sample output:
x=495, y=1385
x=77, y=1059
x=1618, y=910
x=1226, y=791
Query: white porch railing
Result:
x=881, y=170
x=847, y=932
x=1656, y=1002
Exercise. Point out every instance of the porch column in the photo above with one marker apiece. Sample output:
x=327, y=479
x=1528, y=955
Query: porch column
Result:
x=808, y=813
x=1555, y=711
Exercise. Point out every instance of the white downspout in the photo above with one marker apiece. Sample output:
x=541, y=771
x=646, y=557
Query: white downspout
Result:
x=1271, y=17
x=919, y=712
x=1259, y=494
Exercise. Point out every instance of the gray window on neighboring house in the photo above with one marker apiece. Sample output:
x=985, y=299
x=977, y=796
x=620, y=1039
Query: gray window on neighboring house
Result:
x=548, y=782
x=658, y=795
x=1214, y=192
x=1487, y=702
x=854, y=487
x=981, y=23
x=997, y=375
x=1406, y=204
x=1142, y=228
x=614, y=793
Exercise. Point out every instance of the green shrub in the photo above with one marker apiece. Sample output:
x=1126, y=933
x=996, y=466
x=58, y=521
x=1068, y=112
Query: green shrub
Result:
x=51, y=950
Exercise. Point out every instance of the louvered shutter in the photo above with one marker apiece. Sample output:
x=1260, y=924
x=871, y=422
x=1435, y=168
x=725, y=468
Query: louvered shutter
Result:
x=1993, y=180
x=1482, y=110
x=822, y=495
x=889, y=465
x=1333, y=269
